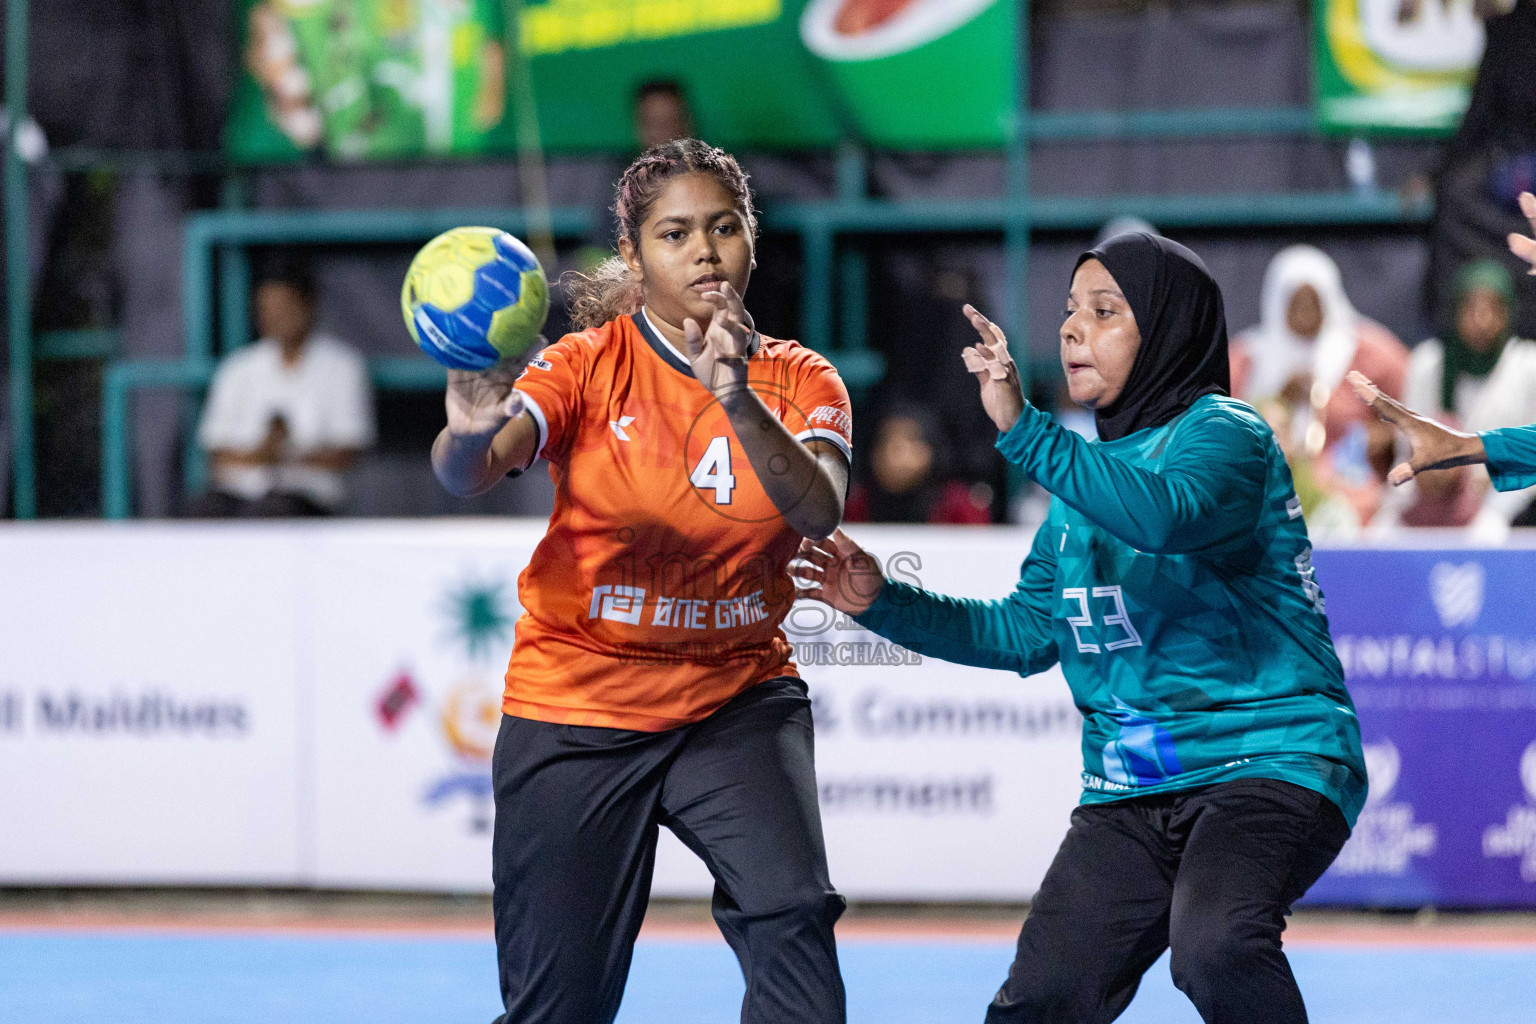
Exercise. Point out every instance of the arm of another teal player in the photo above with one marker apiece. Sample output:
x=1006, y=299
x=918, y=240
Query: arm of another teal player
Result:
x=1014, y=633
x=1511, y=456
x=1207, y=496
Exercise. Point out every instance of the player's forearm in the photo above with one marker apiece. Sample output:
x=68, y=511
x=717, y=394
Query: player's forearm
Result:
x=472, y=463
x=1173, y=511
x=965, y=631
x=797, y=484
x=462, y=462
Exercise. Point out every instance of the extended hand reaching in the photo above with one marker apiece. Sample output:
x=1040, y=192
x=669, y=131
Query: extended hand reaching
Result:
x=837, y=572
x=1430, y=445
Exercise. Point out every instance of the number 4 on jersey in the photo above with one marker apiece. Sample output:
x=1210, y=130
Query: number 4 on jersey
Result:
x=714, y=470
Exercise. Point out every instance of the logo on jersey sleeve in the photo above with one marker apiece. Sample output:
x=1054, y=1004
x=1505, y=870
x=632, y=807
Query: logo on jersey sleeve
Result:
x=536, y=363
x=833, y=417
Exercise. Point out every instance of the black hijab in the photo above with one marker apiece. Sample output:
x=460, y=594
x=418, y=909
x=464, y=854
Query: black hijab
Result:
x=1178, y=311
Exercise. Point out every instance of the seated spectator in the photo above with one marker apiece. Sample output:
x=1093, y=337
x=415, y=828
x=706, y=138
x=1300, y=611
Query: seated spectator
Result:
x=1477, y=377
x=1309, y=338
x=286, y=416
x=906, y=480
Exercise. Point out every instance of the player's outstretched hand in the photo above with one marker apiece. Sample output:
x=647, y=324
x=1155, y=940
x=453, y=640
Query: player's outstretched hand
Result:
x=838, y=572
x=1524, y=246
x=1001, y=393
x=1430, y=445
x=719, y=350
x=481, y=403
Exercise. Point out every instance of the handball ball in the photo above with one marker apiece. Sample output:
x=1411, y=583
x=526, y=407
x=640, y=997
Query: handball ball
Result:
x=473, y=297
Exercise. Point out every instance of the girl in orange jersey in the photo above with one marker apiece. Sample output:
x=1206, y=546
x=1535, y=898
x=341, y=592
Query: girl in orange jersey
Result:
x=650, y=682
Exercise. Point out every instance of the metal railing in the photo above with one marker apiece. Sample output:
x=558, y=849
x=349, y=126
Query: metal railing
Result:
x=819, y=225
x=216, y=272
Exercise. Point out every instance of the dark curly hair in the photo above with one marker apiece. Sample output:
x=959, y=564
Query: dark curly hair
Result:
x=610, y=291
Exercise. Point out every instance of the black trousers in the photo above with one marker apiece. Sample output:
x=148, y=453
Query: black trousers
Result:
x=1210, y=873
x=577, y=812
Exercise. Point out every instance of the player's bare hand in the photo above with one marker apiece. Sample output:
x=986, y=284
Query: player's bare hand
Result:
x=1524, y=246
x=837, y=572
x=481, y=403
x=718, y=351
x=1002, y=395
x=1430, y=445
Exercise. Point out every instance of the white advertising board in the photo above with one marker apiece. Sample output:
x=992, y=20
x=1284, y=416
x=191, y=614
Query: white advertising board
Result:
x=412, y=630
x=148, y=712
x=938, y=781
x=368, y=659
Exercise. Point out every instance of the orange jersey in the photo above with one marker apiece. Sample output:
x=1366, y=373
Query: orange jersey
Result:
x=659, y=591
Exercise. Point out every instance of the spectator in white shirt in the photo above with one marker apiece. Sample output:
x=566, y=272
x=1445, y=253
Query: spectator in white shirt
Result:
x=287, y=415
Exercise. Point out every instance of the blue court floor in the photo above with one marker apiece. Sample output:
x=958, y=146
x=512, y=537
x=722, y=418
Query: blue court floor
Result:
x=275, y=978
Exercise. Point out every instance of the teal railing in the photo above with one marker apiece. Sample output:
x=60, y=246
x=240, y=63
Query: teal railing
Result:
x=215, y=254
x=216, y=273
x=819, y=225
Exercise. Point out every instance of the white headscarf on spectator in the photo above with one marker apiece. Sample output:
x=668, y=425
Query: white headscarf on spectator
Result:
x=1277, y=352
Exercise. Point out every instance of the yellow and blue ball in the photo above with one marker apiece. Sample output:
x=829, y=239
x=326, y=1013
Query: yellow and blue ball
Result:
x=473, y=297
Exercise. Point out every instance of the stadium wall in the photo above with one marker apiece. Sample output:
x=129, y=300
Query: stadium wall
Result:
x=314, y=705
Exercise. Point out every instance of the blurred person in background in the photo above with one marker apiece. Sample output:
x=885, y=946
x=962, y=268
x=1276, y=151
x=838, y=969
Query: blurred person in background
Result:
x=921, y=340
x=661, y=114
x=906, y=476
x=1330, y=514
x=1309, y=337
x=287, y=415
x=1490, y=159
x=1476, y=377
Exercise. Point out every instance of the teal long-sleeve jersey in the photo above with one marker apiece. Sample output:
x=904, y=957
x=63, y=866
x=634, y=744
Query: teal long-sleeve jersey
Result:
x=1172, y=579
x=1511, y=457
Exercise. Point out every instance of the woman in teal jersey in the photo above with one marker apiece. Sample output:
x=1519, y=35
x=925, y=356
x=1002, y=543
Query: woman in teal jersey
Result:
x=1172, y=580
x=1510, y=453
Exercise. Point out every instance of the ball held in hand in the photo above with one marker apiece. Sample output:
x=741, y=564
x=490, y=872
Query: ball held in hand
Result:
x=474, y=296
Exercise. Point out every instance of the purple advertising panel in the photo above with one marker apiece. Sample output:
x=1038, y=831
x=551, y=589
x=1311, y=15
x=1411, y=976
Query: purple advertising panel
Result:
x=1439, y=650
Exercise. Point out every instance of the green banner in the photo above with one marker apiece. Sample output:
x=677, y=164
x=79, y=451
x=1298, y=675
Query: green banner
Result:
x=371, y=79
x=1393, y=66
x=381, y=79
